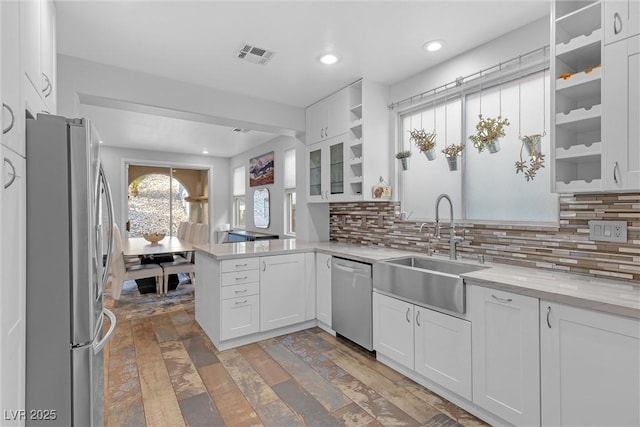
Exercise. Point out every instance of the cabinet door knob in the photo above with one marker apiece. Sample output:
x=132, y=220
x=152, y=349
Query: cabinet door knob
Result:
x=407, y=315
x=13, y=119
x=615, y=172
x=548, y=314
x=617, y=23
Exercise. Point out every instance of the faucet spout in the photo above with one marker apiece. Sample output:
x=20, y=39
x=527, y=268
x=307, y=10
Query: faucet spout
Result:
x=438, y=200
x=453, y=239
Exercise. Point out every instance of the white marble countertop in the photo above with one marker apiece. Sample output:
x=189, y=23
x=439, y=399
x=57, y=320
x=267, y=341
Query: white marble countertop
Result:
x=613, y=296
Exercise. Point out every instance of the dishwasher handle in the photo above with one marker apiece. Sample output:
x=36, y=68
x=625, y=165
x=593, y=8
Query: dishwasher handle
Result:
x=362, y=271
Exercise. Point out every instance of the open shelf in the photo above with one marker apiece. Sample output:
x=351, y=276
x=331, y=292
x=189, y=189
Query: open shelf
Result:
x=579, y=151
x=583, y=84
x=582, y=41
x=581, y=21
x=579, y=186
x=566, y=9
x=579, y=115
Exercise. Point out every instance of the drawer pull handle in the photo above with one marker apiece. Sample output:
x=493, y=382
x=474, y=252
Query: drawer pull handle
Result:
x=548, y=314
x=501, y=299
x=408, y=319
x=241, y=265
x=241, y=302
x=241, y=278
x=242, y=291
x=13, y=119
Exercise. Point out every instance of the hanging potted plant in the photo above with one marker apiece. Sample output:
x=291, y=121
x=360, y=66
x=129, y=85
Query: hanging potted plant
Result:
x=403, y=156
x=488, y=130
x=426, y=142
x=536, y=161
x=452, y=152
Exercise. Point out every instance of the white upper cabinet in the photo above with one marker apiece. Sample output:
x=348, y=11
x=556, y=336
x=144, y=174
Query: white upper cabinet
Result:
x=621, y=19
x=590, y=367
x=327, y=168
x=327, y=118
x=38, y=53
x=621, y=86
x=12, y=116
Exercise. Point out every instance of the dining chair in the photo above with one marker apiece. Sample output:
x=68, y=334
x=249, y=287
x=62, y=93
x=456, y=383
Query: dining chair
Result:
x=199, y=236
x=182, y=230
x=120, y=272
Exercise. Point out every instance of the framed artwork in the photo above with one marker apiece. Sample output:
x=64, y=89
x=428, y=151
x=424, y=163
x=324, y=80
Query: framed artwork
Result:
x=261, y=170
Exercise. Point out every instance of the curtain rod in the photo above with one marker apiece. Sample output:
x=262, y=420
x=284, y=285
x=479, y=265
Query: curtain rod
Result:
x=460, y=81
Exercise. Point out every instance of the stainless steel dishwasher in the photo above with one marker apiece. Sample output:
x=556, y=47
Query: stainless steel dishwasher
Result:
x=351, y=305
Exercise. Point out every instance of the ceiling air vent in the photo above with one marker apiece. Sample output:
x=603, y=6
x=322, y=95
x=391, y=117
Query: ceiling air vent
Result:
x=239, y=130
x=254, y=54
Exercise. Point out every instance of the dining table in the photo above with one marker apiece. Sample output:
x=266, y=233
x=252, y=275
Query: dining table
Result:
x=155, y=253
x=142, y=247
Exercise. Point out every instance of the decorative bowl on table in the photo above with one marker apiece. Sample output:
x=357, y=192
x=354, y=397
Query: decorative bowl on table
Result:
x=154, y=238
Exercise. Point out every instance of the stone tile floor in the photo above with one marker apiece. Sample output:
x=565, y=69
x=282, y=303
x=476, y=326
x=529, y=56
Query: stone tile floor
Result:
x=162, y=370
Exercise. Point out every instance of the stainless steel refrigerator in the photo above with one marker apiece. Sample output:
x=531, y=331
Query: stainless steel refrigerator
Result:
x=68, y=259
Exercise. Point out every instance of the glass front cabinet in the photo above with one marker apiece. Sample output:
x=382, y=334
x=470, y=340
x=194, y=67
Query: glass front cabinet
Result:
x=326, y=170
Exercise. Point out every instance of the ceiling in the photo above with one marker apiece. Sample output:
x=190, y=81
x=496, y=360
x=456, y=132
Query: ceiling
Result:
x=196, y=42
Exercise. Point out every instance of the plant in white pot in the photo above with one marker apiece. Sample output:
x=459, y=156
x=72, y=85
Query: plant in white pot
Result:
x=488, y=131
x=426, y=142
x=403, y=156
x=452, y=152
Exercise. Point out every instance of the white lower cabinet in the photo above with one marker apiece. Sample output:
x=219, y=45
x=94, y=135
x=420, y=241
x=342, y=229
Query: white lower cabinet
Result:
x=393, y=329
x=323, y=288
x=506, y=357
x=435, y=345
x=590, y=367
x=282, y=291
x=239, y=316
x=443, y=350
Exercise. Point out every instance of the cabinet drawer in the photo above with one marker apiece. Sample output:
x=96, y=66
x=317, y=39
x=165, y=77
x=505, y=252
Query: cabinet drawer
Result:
x=239, y=316
x=237, y=291
x=240, y=264
x=238, y=277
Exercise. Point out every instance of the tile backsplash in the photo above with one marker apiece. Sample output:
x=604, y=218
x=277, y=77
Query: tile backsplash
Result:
x=565, y=247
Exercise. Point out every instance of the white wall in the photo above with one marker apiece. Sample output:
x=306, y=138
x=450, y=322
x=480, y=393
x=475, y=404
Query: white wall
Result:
x=113, y=162
x=508, y=46
x=94, y=83
x=276, y=190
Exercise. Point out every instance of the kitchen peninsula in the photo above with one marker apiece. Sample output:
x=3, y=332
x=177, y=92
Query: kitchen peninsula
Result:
x=250, y=291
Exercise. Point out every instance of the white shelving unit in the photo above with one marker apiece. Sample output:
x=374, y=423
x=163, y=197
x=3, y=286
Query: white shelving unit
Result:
x=577, y=40
x=355, y=148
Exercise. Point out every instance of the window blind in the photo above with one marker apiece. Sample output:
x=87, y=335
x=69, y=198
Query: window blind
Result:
x=239, y=181
x=290, y=169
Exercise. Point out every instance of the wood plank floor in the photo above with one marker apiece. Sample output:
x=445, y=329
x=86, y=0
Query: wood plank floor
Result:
x=162, y=370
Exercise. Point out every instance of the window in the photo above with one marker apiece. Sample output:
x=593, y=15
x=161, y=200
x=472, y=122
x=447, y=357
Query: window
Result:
x=290, y=192
x=485, y=187
x=238, y=197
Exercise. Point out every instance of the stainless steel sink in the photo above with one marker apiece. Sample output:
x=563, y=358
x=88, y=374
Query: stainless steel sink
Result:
x=424, y=281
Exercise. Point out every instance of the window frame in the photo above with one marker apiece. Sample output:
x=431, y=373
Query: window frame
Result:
x=289, y=213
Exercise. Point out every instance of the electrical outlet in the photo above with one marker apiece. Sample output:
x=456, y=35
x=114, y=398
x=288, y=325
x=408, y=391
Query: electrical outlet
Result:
x=608, y=231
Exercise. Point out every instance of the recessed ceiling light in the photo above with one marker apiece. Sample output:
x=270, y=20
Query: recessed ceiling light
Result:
x=205, y=151
x=433, y=45
x=329, y=58
x=100, y=142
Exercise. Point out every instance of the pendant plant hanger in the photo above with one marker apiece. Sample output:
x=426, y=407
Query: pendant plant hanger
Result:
x=426, y=142
x=489, y=129
x=532, y=143
x=453, y=151
x=403, y=155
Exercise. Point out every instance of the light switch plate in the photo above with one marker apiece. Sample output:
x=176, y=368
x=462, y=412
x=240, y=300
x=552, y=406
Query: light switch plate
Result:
x=608, y=231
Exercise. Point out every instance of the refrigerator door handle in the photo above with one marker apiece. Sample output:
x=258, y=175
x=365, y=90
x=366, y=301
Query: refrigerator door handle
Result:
x=112, y=319
x=107, y=190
